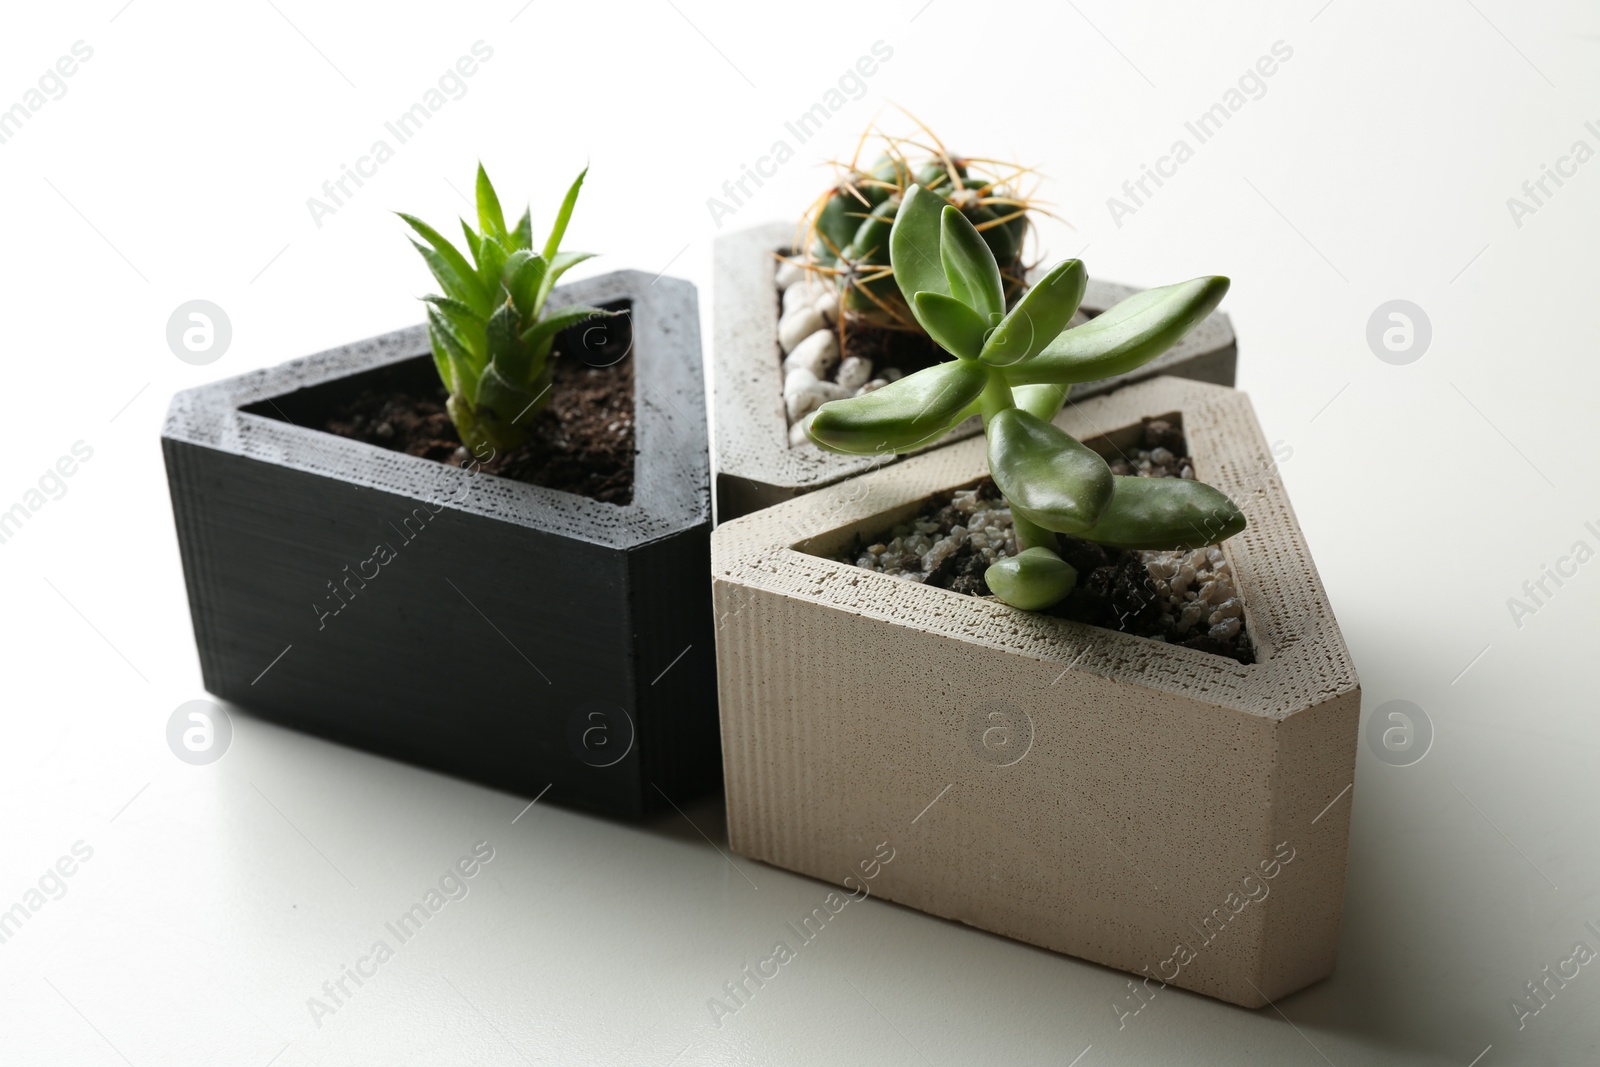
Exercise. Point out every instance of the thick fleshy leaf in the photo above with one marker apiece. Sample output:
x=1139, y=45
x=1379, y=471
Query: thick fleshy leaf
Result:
x=564, y=216
x=914, y=244
x=969, y=266
x=1041, y=401
x=1165, y=513
x=1032, y=580
x=491, y=220
x=541, y=335
x=839, y=219
x=1041, y=314
x=1047, y=476
x=1124, y=336
x=902, y=415
x=954, y=325
x=466, y=289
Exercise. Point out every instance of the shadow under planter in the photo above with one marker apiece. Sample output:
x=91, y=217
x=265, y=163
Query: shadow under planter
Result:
x=512, y=634
x=756, y=465
x=1151, y=807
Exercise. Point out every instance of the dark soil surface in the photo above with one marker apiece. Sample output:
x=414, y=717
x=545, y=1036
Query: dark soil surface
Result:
x=907, y=350
x=1114, y=589
x=582, y=441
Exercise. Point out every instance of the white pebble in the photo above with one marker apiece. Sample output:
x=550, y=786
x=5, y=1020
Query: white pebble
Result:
x=788, y=273
x=797, y=326
x=876, y=383
x=799, y=435
x=1225, y=629
x=818, y=354
x=853, y=372
x=796, y=297
x=892, y=374
x=827, y=302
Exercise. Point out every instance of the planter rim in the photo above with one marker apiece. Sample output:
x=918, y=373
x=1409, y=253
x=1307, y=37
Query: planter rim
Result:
x=1301, y=657
x=752, y=442
x=671, y=485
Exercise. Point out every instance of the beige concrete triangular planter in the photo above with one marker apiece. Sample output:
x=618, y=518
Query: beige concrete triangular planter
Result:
x=1150, y=807
x=757, y=467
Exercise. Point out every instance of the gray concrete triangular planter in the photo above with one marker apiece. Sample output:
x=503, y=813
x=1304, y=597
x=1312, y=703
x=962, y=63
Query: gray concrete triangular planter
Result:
x=516, y=635
x=757, y=467
x=1154, y=808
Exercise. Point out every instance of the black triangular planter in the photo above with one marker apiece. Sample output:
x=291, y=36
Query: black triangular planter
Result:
x=516, y=635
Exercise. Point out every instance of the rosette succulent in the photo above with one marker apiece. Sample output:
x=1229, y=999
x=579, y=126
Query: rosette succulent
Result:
x=1015, y=368
x=490, y=332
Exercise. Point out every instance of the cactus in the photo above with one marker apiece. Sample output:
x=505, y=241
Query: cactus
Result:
x=490, y=334
x=844, y=238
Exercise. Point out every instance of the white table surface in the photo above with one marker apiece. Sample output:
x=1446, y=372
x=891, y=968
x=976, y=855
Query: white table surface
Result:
x=1376, y=166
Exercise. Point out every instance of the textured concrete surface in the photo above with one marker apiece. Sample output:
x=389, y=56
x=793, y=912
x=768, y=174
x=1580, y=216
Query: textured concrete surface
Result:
x=757, y=467
x=1149, y=807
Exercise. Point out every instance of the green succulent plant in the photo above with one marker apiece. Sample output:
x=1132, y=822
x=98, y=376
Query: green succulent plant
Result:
x=846, y=230
x=490, y=332
x=1015, y=368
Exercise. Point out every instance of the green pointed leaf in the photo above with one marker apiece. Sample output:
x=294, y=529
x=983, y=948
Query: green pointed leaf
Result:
x=1032, y=580
x=527, y=278
x=1165, y=513
x=467, y=326
x=1047, y=476
x=466, y=289
x=507, y=353
x=1125, y=336
x=447, y=251
x=464, y=369
x=955, y=326
x=914, y=244
x=969, y=266
x=541, y=335
x=563, y=262
x=473, y=240
x=1041, y=314
x=491, y=220
x=564, y=216
x=902, y=415
x=491, y=269
x=522, y=236
x=505, y=409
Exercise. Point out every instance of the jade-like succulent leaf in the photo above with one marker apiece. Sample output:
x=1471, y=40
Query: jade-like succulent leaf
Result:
x=1032, y=580
x=914, y=245
x=1165, y=513
x=969, y=266
x=1125, y=336
x=1041, y=401
x=564, y=216
x=1041, y=314
x=954, y=325
x=902, y=415
x=491, y=220
x=1047, y=476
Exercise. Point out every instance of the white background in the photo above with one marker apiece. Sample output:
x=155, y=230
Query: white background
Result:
x=1376, y=166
